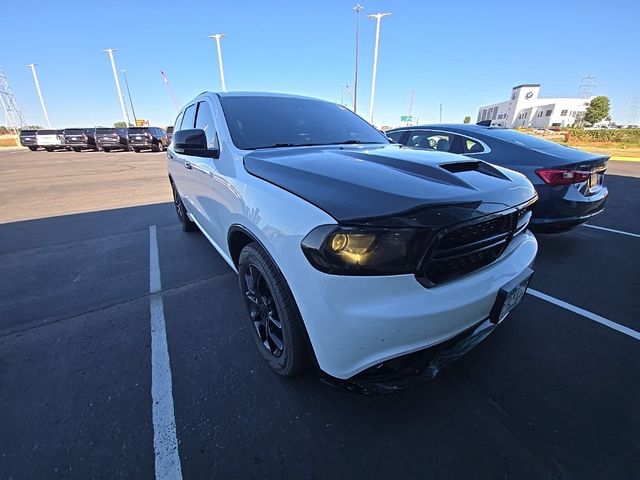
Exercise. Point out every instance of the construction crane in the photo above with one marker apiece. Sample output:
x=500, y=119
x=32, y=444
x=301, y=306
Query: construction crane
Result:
x=167, y=85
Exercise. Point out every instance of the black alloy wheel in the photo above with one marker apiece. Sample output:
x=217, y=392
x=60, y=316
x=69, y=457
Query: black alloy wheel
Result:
x=276, y=323
x=263, y=312
x=185, y=221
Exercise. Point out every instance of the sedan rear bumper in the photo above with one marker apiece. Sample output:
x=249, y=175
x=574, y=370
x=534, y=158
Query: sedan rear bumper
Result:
x=566, y=206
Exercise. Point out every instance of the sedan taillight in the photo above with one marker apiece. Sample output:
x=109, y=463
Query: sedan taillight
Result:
x=558, y=176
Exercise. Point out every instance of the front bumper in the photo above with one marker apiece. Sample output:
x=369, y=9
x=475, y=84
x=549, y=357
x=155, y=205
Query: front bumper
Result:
x=357, y=322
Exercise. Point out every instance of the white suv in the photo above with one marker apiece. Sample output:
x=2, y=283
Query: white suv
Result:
x=352, y=252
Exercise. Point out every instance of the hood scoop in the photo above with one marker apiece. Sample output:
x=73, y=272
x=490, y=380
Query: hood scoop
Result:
x=478, y=166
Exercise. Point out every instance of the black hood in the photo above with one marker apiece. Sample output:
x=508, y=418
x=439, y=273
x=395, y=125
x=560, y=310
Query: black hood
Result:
x=388, y=185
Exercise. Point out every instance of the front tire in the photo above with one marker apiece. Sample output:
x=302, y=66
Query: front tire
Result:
x=185, y=221
x=275, y=321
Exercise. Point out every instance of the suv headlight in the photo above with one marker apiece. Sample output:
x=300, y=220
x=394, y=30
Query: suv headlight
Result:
x=365, y=250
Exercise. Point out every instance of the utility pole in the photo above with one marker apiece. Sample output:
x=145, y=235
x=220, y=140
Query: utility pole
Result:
x=126, y=83
x=218, y=36
x=358, y=8
x=167, y=86
x=635, y=109
x=13, y=115
x=378, y=17
x=35, y=79
x=410, y=108
x=587, y=86
x=115, y=77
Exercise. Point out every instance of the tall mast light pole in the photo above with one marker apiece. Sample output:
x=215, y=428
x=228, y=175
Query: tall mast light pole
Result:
x=217, y=37
x=126, y=83
x=35, y=79
x=358, y=8
x=115, y=77
x=378, y=17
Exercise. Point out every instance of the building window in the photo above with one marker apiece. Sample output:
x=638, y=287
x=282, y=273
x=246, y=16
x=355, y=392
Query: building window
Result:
x=563, y=113
x=540, y=113
x=573, y=114
x=548, y=114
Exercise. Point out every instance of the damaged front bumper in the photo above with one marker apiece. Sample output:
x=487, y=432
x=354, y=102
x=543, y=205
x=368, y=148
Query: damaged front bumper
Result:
x=414, y=369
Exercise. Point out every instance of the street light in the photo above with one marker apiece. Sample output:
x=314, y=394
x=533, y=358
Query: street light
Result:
x=126, y=83
x=218, y=36
x=358, y=8
x=35, y=79
x=378, y=17
x=115, y=77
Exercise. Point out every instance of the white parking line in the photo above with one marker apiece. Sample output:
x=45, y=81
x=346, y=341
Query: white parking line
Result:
x=165, y=442
x=612, y=230
x=585, y=313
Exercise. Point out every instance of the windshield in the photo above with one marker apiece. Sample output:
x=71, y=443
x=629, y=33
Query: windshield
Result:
x=264, y=122
x=74, y=131
x=138, y=129
x=46, y=132
x=105, y=130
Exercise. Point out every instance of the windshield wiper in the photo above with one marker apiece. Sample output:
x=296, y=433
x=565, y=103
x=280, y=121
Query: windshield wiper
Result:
x=282, y=145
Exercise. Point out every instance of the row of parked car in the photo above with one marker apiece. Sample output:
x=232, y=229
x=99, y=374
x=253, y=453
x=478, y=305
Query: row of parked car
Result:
x=105, y=139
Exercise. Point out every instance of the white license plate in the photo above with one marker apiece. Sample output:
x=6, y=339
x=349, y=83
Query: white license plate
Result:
x=510, y=296
x=138, y=138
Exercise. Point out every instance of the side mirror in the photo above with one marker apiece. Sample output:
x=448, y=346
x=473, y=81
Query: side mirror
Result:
x=193, y=142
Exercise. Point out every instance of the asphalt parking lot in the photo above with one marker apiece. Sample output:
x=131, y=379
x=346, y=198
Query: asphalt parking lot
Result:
x=552, y=393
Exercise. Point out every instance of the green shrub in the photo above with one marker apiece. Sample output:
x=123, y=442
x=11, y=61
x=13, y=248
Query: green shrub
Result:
x=631, y=136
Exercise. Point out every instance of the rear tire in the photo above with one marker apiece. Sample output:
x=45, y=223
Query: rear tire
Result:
x=49, y=150
x=77, y=149
x=137, y=150
x=185, y=221
x=106, y=150
x=275, y=321
x=33, y=149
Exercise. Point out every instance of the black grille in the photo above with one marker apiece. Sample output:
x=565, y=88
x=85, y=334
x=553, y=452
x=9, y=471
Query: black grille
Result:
x=470, y=247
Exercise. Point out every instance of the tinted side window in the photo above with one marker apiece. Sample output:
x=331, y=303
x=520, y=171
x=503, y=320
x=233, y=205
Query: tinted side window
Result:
x=204, y=121
x=430, y=140
x=176, y=125
x=471, y=146
x=395, y=136
x=189, y=119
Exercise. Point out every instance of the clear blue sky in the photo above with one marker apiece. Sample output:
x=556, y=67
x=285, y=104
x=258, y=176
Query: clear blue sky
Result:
x=462, y=54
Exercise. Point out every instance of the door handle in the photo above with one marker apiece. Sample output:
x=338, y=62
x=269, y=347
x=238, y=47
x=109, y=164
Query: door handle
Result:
x=187, y=165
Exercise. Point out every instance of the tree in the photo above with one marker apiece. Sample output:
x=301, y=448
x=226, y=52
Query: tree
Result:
x=597, y=109
x=120, y=124
x=467, y=119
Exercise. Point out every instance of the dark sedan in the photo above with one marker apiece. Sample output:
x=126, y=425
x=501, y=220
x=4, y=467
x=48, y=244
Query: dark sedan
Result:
x=570, y=182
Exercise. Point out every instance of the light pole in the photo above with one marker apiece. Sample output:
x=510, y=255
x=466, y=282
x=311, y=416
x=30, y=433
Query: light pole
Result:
x=218, y=36
x=378, y=17
x=126, y=83
x=115, y=77
x=358, y=8
x=35, y=79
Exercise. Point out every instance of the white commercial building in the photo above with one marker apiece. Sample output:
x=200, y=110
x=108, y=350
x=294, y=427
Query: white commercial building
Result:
x=527, y=109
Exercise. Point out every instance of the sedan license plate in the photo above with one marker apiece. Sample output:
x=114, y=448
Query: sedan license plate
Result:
x=510, y=295
x=138, y=138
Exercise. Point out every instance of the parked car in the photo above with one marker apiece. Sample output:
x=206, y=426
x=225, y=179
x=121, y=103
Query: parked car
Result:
x=148, y=138
x=78, y=139
x=109, y=139
x=28, y=139
x=352, y=252
x=50, y=140
x=569, y=182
